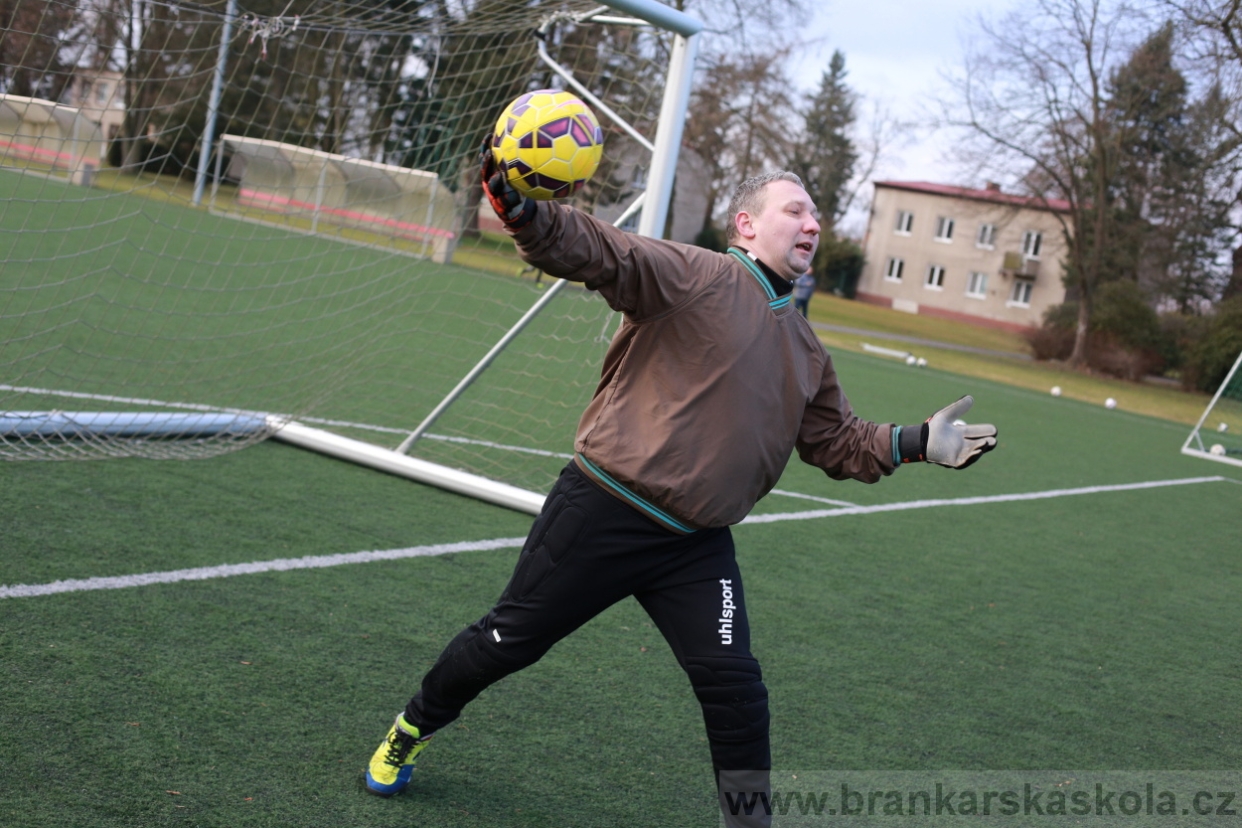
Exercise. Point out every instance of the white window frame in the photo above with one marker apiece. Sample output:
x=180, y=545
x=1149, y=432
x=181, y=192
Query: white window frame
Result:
x=944, y=229
x=892, y=271
x=977, y=285
x=905, y=223
x=935, y=277
x=1032, y=241
x=1020, y=296
x=986, y=237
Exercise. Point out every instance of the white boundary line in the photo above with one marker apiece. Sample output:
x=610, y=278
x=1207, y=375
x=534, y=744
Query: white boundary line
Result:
x=974, y=501
x=279, y=565
x=322, y=561
x=816, y=498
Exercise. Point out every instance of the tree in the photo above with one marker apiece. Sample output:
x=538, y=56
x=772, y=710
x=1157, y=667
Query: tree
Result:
x=1175, y=176
x=1038, y=102
x=739, y=120
x=32, y=60
x=1221, y=22
x=825, y=156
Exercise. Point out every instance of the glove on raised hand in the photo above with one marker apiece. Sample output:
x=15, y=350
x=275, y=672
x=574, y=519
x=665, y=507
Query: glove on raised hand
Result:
x=942, y=442
x=514, y=209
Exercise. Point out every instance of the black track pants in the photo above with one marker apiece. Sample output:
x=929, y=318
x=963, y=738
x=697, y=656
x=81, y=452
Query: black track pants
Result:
x=585, y=552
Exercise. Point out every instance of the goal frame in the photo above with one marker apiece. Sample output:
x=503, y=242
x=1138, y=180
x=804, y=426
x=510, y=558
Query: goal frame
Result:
x=654, y=205
x=1195, y=435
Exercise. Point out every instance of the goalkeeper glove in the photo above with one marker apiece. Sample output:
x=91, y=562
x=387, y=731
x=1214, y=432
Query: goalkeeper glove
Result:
x=944, y=439
x=514, y=209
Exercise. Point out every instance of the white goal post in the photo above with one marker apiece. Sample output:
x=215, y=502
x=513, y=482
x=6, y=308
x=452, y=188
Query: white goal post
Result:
x=654, y=207
x=1218, y=434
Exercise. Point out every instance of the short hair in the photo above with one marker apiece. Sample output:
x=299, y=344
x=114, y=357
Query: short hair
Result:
x=748, y=197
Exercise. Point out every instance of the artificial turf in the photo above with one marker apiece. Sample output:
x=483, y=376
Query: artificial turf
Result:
x=1095, y=631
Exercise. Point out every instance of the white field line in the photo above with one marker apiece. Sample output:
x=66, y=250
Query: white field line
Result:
x=321, y=561
x=816, y=498
x=279, y=565
x=975, y=501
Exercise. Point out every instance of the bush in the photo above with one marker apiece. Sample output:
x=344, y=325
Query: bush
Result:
x=1121, y=311
x=837, y=266
x=1211, y=358
x=1125, y=340
x=151, y=158
x=1050, y=341
x=1182, y=333
x=712, y=238
x=1108, y=355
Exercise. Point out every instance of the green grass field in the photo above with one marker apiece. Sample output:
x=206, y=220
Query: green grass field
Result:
x=1087, y=631
x=1091, y=627
x=124, y=295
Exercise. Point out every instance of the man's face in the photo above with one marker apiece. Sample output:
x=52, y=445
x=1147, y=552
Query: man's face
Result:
x=785, y=231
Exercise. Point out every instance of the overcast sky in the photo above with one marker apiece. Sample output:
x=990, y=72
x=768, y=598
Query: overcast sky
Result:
x=895, y=52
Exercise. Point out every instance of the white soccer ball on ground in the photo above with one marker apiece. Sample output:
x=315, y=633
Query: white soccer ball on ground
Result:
x=910, y=360
x=1110, y=403
x=1056, y=390
x=922, y=363
x=1217, y=449
x=1223, y=427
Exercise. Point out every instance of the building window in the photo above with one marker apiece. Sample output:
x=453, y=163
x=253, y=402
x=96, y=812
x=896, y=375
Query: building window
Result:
x=101, y=93
x=987, y=236
x=935, y=278
x=1021, y=296
x=892, y=272
x=1031, y=242
x=977, y=287
x=905, y=221
x=944, y=229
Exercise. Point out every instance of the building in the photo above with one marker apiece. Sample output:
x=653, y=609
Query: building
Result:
x=980, y=256
x=99, y=94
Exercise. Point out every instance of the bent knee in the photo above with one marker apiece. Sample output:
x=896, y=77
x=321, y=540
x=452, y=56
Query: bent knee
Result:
x=732, y=694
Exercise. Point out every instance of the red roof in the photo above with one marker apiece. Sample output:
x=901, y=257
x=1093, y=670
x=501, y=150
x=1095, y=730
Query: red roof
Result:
x=994, y=195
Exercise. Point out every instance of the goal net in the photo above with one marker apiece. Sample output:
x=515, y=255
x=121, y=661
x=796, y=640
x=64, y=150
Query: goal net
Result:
x=220, y=217
x=1218, y=434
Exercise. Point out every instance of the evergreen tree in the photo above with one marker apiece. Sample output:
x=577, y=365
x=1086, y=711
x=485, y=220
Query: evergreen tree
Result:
x=825, y=156
x=1172, y=191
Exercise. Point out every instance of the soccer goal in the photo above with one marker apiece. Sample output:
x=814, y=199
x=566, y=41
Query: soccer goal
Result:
x=1218, y=434
x=224, y=221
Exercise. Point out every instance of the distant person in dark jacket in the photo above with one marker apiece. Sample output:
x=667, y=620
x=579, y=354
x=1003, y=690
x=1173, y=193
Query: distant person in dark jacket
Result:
x=803, y=289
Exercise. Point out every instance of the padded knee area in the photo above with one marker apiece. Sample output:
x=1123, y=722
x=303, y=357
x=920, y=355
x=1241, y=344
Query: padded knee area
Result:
x=470, y=664
x=733, y=696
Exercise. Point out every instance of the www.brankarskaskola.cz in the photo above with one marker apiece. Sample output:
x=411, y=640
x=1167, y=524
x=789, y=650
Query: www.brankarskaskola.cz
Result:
x=1030, y=801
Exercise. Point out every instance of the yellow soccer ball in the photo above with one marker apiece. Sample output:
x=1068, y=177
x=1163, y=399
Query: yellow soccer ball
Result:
x=548, y=144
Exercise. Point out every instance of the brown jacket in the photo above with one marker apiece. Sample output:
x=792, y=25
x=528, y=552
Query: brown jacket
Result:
x=710, y=382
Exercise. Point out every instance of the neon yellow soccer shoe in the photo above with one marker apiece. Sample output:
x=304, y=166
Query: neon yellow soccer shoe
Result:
x=393, y=762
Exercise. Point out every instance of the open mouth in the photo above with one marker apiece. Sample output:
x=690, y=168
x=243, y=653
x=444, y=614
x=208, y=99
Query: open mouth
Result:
x=805, y=247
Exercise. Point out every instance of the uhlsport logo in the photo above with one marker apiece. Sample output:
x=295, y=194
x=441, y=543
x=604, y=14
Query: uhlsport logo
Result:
x=726, y=611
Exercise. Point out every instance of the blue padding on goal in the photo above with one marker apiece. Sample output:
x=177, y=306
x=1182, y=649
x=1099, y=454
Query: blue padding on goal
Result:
x=126, y=424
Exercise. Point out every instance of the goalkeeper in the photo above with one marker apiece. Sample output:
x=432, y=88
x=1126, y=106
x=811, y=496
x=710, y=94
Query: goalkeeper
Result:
x=711, y=381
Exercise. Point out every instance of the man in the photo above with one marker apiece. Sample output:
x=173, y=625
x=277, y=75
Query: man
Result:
x=803, y=289
x=710, y=382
